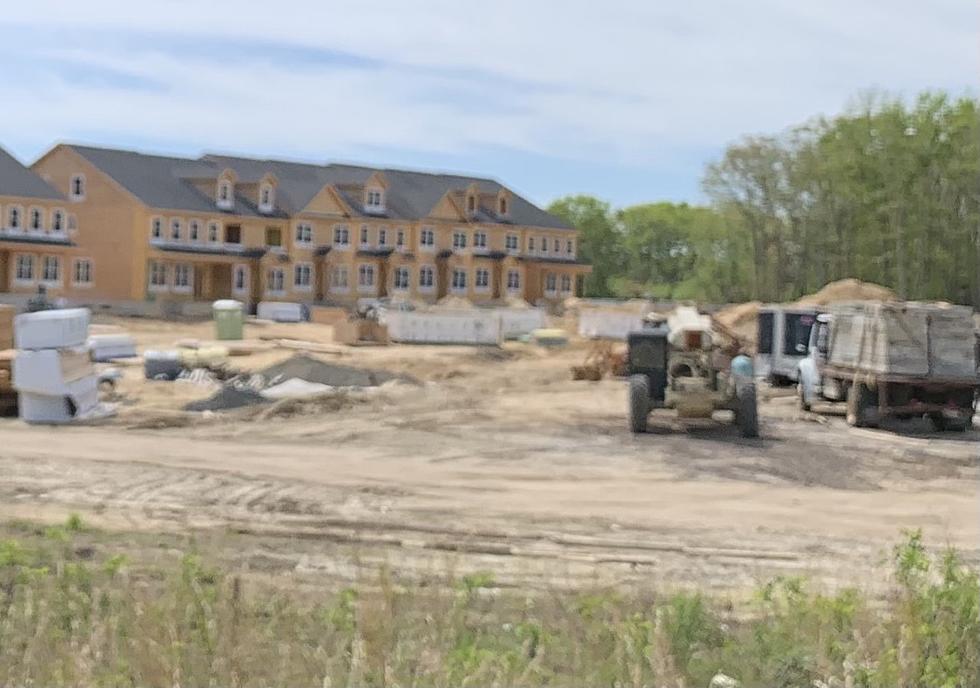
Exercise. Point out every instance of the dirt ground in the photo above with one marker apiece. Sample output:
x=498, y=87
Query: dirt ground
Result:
x=496, y=461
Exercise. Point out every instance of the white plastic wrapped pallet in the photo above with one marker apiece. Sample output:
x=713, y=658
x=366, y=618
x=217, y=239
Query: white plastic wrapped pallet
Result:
x=607, y=324
x=81, y=397
x=55, y=329
x=51, y=371
x=280, y=311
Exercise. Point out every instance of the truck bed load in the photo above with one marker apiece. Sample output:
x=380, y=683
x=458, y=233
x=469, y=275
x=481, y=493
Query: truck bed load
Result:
x=914, y=340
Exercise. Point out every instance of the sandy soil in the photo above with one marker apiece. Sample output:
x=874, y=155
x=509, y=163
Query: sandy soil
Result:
x=497, y=461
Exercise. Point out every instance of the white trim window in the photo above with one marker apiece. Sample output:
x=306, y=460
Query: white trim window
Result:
x=427, y=278
x=81, y=272
x=51, y=270
x=239, y=279
x=14, y=217
x=365, y=237
x=183, y=277
x=267, y=198
x=158, y=276
x=570, y=248
x=510, y=243
x=513, y=280
x=176, y=229
x=427, y=239
x=76, y=187
x=341, y=237
x=400, y=239
x=557, y=245
x=479, y=240
x=383, y=237
x=365, y=278
x=481, y=280
x=304, y=234
x=459, y=241
x=36, y=220
x=275, y=281
x=303, y=276
x=225, y=196
x=194, y=230
x=402, y=279
x=374, y=201
x=24, y=268
x=544, y=245
x=530, y=244
x=339, y=279
x=459, y=281
x=551, y=283
x=566, y=284
x=58, y=220
x=214, y=232
x=156, y=228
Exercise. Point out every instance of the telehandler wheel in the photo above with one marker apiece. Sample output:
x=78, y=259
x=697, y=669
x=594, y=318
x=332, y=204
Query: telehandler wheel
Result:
x=747, y=410
x=639, y=402
x=861, y=402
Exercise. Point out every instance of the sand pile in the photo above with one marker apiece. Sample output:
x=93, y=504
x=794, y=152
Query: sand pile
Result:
x=455, y=303
x=741, y=319
x=848, y=290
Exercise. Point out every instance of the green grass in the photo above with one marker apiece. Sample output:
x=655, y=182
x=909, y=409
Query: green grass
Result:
x=77, y=613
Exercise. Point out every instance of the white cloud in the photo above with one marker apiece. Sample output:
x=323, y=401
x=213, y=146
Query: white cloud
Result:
x=620, y=81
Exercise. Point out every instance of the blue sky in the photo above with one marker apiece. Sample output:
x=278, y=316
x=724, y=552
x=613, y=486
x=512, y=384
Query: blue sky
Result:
x=624, y=100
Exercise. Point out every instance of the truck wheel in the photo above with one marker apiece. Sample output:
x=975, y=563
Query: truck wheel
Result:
x=639, y=402
x=801, y=396
x=747, y=410
x=860, y=406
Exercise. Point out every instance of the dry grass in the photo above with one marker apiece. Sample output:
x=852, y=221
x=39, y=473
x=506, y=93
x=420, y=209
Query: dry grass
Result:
x=74, y=612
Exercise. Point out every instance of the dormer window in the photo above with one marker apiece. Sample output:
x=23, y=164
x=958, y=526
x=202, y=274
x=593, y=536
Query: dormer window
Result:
x=225, y=199
x=502, y=206
x=266, y=198
x=76, y=187
x=374, y=201
x=471, y=204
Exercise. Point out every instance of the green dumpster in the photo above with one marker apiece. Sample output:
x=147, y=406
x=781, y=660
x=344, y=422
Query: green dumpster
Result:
x=229, y=319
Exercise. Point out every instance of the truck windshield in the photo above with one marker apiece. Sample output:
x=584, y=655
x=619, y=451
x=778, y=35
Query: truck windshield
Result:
x=797, y=334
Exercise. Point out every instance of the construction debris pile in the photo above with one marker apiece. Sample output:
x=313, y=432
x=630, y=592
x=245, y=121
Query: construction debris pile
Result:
x=299, y=377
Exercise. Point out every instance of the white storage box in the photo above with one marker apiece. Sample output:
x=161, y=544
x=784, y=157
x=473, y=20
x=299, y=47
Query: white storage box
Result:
x=82, y=398
x=51, y=371
x=280, y=311
x=105, y=347
x=57, y=329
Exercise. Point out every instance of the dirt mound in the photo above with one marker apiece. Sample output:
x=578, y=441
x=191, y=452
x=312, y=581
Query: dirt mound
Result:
x=848, y=290
x=306, y=367
x=229, y=397
x=741, y=319
x=455, y=303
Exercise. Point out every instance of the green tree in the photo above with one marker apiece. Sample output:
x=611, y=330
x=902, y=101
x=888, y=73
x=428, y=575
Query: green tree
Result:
x=599, y=242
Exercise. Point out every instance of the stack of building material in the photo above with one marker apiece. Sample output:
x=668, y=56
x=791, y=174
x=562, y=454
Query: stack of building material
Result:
x=280, y=311
x=52, y=372
x=8, y=396
x=106, y=347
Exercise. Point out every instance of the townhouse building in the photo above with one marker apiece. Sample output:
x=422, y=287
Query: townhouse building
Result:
x=37, y=237
x=177, y=229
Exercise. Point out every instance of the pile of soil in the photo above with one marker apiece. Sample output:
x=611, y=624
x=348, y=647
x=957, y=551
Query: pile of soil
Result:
x=741, y=319
x=456, y=303
x=231, y=396
x=306, y=367
x=848, y=290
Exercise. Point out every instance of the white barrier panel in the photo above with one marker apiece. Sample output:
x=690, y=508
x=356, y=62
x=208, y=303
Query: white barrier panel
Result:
x=280, y=311
x=445, y=327
x=607, y=324
x=57, y=329
x=515, y=322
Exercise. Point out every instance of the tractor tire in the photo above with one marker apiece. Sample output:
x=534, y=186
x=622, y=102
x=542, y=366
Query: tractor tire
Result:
x=639, y=403
x=801, y=397
x=747, y=409
x=860, y=404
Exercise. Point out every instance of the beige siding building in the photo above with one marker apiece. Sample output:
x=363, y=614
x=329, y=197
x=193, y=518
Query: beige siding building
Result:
x=172, y=229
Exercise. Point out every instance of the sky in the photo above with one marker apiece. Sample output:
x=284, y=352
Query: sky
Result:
x=625, y=100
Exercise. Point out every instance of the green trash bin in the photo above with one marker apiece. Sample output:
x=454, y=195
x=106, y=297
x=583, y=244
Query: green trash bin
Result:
x=229, y=319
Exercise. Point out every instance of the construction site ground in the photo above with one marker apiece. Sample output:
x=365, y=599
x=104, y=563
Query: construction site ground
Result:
x=496, y=461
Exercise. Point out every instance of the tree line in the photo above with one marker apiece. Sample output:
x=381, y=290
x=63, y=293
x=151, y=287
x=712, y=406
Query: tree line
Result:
x=887, y=192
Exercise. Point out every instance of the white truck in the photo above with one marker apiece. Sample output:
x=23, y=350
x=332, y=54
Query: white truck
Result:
x=781, y=343
x=902, y=360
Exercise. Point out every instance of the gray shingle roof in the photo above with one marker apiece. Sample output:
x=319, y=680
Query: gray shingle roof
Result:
x=17, y=180
x=163, y=182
